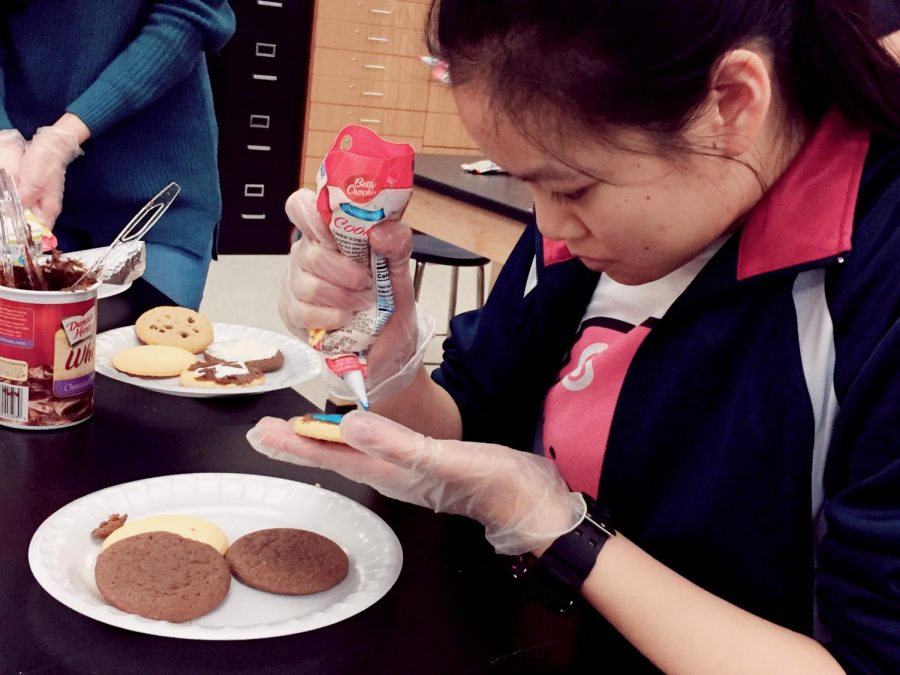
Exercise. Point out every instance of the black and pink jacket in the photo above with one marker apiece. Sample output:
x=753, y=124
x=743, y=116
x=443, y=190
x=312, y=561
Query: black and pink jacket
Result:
x=751, y=440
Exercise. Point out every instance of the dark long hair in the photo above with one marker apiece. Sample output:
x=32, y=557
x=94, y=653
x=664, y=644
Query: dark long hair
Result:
x=648, y=63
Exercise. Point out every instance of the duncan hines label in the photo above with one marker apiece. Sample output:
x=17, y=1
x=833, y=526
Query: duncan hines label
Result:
x=80, y=327
x=73, y=354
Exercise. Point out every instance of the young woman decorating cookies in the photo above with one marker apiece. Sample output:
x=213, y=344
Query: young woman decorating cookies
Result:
x=700, y=332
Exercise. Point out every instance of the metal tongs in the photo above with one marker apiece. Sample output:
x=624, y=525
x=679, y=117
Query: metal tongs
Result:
x=15, y=236
x=135, y=229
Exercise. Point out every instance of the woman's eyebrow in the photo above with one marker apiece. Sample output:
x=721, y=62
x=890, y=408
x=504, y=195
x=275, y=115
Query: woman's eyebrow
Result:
x=547, y=173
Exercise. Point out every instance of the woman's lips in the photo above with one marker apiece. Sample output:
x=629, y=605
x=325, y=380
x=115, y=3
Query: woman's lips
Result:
x=595, y=264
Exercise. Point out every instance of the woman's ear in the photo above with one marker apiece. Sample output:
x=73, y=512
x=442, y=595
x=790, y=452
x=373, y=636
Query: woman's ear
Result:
x=740, y=97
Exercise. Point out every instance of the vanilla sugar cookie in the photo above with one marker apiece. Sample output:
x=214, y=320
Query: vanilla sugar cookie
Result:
x=321, y=427
x=175, y=327
x=189, y=527
x=226, y=374
x=152, y=361
x=259, y=355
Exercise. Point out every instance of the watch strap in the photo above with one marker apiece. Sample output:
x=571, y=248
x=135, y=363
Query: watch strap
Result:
x=572, y=556
x=558, y=575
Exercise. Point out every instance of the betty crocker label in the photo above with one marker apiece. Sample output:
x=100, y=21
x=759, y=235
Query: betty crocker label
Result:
x=361, y=189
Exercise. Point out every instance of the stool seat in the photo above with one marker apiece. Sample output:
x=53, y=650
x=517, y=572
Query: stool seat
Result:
x=428, y=249
x=431, y=250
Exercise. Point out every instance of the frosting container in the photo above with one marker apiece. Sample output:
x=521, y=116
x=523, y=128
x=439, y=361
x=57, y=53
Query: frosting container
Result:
x=47, y=357
x=363, y=181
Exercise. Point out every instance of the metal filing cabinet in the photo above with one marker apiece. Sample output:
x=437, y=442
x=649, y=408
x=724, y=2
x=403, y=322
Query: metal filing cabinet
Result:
x=366, y=69
x=260, y=85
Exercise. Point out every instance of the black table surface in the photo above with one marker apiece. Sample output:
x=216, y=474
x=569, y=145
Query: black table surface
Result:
x=500, y=193
x=454, y=608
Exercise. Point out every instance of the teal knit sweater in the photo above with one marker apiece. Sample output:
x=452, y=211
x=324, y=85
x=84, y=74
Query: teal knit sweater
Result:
x=134, y=71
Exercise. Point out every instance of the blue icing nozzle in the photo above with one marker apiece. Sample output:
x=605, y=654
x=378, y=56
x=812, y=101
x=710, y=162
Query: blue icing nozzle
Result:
x=354, y=380
x=322, y=417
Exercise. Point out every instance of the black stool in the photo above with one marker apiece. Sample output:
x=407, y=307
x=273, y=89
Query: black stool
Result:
x=427, y=249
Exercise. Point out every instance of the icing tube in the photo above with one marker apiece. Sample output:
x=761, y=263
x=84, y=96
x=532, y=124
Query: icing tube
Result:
x=363, y=180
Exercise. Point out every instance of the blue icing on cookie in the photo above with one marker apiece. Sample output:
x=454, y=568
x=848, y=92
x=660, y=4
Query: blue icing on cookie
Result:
x=333, y=419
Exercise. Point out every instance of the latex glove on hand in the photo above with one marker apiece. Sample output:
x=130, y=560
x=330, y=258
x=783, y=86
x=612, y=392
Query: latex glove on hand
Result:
x=519, y=497
x=323, y=288
x=12, y=148
x=42, y=174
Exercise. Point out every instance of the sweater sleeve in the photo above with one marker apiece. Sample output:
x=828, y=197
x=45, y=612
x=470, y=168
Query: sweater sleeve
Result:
x=164, y=51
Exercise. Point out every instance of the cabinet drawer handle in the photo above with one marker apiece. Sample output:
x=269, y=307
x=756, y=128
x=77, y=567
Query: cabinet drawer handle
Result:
x=266, y=49
x=369, y=120
x=374, y=66
x=377, y=39
x=384, y=12
x=253, y=216
x=372, y=93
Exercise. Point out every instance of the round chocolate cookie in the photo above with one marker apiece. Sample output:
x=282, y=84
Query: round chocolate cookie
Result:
x=288, y=561
x=160, y=575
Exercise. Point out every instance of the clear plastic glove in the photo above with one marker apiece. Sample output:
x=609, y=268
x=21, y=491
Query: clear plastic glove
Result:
x=520, y=498
x=42, y=175
x=12, y=147
x=323, y=288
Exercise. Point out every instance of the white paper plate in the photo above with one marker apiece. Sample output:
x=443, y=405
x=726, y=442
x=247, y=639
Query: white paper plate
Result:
x=62, y=552
x=88, y=256
x=301, y=362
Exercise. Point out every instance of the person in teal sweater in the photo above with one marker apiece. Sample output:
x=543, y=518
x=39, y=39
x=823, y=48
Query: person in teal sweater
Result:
x=116, y=101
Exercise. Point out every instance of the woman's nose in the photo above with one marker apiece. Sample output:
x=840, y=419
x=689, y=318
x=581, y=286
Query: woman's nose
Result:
x=555, y=220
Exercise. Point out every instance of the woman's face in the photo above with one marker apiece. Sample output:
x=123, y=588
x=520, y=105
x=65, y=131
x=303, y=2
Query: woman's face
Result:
x=634, y=215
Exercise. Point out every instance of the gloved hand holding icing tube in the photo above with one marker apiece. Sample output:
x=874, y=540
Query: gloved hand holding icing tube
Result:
x=349, y=280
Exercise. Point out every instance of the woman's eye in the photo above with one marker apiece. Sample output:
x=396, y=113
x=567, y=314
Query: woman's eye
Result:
x=563, y=197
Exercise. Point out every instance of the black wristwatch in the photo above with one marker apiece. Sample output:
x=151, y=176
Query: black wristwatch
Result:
x=557, y=576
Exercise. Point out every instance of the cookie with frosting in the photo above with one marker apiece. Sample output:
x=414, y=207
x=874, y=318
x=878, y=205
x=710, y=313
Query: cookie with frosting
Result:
x=259, y=355
x=225, y=374
x=322, y=427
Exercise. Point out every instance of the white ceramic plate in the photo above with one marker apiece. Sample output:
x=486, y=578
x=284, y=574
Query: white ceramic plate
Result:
x=301, y=362
x=88, y=256
x=62, y=552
